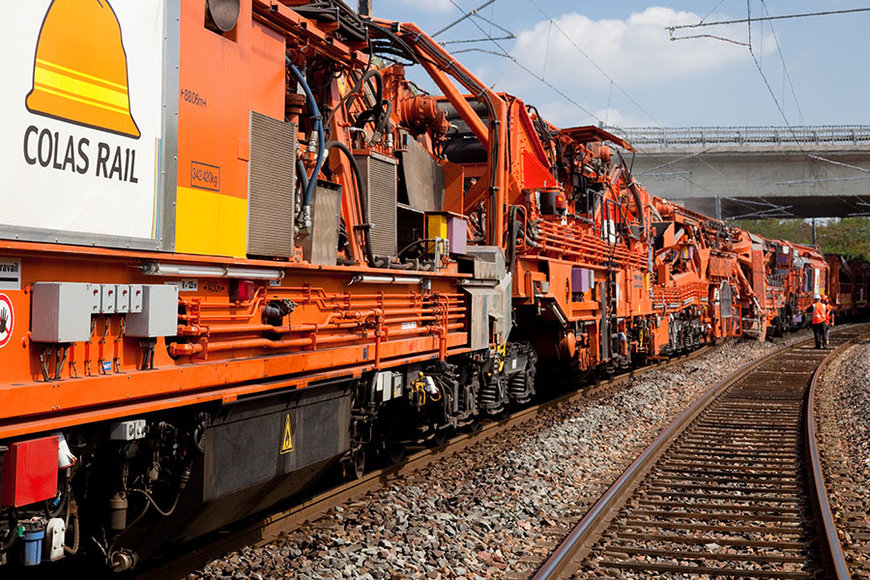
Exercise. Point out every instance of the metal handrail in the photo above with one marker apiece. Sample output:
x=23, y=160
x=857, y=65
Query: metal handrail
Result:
x=668, y=137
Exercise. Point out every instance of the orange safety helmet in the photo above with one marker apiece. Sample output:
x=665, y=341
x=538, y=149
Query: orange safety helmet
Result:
x=80, y=71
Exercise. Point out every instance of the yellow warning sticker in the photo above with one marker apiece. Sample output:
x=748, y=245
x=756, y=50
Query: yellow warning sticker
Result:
x=287, y=439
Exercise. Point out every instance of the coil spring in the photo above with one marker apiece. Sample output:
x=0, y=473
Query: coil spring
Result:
x=492, y=396
x=521, y=388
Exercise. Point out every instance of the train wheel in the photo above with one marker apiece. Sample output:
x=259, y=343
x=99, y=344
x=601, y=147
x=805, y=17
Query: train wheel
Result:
x=440, y=437
x=355, y=466
x=394, y=452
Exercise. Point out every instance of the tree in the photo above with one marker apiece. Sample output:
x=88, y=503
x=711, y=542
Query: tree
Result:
x=849, y=237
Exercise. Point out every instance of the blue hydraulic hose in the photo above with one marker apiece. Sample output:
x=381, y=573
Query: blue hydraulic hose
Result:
x=318, y=125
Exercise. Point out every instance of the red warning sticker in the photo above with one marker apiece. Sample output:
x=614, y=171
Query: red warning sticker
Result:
x=7, y=319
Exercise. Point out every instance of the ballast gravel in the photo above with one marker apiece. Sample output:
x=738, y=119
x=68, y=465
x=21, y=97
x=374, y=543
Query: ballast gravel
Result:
x=843, y=420
x=497, y=509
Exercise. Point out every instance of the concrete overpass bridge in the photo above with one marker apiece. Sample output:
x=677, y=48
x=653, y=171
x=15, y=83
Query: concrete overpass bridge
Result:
x=757, y=172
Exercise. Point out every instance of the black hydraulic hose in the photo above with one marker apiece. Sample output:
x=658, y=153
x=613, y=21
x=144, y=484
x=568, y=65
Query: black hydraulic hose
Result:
x=363, y=198
x=352, y=93
x=318, y=126
x=414, y=244
x=301, y=174
x=379, y=84
x=482, y=95
x=383, y=122
x=422, y=48
x=394, y=44
x=632, y=185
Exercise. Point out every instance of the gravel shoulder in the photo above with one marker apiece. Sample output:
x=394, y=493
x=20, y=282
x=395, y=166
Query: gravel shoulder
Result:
x=843, y=421
x=497, y=509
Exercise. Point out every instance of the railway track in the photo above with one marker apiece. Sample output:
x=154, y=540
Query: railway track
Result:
x=728, y=490
x=261, y=530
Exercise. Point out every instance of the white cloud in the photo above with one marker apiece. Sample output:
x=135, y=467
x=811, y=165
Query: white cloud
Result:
x=428, y=5
x=564, y=114
x=634, y=52
x=618, y=118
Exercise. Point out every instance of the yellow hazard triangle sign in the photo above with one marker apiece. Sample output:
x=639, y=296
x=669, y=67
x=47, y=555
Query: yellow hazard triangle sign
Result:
x=287, y=439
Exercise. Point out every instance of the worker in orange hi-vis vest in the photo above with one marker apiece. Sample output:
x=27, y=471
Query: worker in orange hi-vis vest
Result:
x=829, y=318
x=819, y=312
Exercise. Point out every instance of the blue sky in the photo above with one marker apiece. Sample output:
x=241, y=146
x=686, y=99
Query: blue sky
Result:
x=648, y=80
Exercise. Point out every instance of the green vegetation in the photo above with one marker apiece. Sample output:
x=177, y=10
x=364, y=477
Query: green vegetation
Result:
x=847, y=236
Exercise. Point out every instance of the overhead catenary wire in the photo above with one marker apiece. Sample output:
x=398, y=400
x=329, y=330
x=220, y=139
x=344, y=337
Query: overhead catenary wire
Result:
x=464, y=16
x=840, y=163
x=766, y=18
x=492, y=23
x=749, y=20
x=594, y=63
x=470, y=40
x=547, y=50
x=712, y=10
x=516, y=61
x=786, y=74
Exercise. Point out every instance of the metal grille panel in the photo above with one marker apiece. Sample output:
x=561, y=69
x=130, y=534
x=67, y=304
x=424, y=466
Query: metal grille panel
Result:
x=321, y=246
x=379, y=173
x=271, y=184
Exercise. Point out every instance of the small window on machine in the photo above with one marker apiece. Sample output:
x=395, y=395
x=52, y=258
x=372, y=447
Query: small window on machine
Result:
x=222, y=16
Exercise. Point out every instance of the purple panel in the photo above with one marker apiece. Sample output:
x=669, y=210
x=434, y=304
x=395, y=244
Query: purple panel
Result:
x=797, y=318
x=580, y=278
x=456, y=235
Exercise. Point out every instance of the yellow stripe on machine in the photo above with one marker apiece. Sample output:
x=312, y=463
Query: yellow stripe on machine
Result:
x=210, y=223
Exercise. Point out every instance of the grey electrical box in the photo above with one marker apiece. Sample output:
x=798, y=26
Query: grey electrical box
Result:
x=122, y=298
x=95, y=292
x=159, y=315
x=61, y=312
x=107, y=300
x=135, y=297
x=128, y=430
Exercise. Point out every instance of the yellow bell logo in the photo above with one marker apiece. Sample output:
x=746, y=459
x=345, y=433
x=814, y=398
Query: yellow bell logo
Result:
x=80, y=72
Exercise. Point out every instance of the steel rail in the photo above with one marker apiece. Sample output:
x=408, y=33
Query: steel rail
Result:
x=578, y=541
x=832, y=551
x=583, y=537
x=264, y=529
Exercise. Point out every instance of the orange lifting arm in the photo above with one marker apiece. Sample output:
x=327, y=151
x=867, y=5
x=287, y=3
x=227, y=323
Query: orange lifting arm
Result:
x=440, y=65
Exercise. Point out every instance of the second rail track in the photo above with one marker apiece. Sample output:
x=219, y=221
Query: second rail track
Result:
x=724, y=491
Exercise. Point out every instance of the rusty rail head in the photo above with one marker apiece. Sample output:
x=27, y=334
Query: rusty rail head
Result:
x=580, y=540
x=832, y=551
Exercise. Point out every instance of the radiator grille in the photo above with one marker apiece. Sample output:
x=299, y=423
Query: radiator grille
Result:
x=379, y=173
x=271, y=185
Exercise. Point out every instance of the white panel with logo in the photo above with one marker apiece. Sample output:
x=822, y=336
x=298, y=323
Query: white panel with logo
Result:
x=81, y=111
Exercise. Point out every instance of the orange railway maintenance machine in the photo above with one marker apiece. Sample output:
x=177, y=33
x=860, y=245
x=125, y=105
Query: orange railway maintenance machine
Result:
x=236, y=252
x=202, y=301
